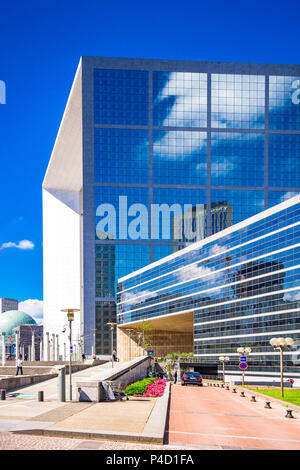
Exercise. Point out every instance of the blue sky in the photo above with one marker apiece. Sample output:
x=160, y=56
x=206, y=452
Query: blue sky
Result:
x=41, y=43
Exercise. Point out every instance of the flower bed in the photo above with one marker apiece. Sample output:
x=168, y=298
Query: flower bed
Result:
x=150, y=387
x=156, y=389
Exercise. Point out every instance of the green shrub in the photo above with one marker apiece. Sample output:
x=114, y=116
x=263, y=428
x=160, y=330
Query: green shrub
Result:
x=139, y=388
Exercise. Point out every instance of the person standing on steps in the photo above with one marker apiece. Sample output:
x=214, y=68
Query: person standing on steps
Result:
x=19, y=365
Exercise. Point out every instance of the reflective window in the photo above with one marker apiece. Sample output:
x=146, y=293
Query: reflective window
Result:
x=104, y=312
x=276, y=197
x=237, y=159
x=179, y=99
x=121, y=97
x=114, y=261
x=179, y=157
x=121, y=213
x=181, y=214
x=284, y=107
x=160, y=251
x=238, y=101
x=239, y=205
x=284, y=160
x=121, y=155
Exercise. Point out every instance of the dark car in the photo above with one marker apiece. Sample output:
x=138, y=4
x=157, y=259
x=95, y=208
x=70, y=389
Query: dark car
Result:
x=191, y=378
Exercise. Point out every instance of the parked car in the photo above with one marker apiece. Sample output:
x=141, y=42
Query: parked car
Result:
x=191, y=378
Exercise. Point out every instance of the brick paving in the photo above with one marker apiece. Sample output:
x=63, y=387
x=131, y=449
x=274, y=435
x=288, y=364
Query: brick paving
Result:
x=209, y=417
x=10, y=441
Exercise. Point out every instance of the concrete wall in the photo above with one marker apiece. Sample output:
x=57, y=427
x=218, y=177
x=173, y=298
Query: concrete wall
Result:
x=125, y=373
x=10, y=383
x=62, y=267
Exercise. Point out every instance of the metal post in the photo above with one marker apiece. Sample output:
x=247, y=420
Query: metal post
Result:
x=3, y=349
x=62, y=384
x=65, y=355
x=224, y=371
x=112, y=347
x=281, y=370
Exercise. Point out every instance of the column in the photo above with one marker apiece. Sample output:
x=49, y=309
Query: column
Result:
x=65, y=353
x=53, y=347
x=17, y=343
x=32, y=346
x=3, y=349
x=48, y=346
x=57, y=347
x=41, y=349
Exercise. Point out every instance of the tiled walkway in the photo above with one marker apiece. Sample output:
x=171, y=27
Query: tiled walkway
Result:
x=215, y=418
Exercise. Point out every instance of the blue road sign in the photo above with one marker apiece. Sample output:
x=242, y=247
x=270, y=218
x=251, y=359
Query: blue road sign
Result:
x=243, y=359
x=243, y=365
x=71, y=348
x=150, y=353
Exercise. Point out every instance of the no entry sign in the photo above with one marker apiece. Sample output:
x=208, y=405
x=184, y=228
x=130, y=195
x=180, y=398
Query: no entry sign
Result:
x=243, y=365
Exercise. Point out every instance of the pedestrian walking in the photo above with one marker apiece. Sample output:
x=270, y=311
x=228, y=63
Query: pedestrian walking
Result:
x=115, y=355
x=175, y=377
x=19, y=365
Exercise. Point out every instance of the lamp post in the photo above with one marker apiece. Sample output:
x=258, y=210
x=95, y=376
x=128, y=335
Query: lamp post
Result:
x=243, y=350
x=70, y=315
x=223, y=359
x=112, y=326
x=281, y=344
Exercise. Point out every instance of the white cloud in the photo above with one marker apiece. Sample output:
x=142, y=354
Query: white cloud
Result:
x=292, y=296
x=22, y=245
x=34, y=308
x=288, y=195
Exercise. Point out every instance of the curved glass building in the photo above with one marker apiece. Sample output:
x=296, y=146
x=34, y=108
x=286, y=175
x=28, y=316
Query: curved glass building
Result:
x=237, y=288
x=153, y=155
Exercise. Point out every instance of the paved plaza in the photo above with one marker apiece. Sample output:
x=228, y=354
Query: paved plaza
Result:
x=216, y=418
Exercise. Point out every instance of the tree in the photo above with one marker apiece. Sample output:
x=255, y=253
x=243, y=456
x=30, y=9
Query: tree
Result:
x=144, y=334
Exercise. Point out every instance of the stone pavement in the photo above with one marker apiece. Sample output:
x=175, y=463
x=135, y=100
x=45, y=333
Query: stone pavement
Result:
x=215, y=418
x=124, y=419
x=9, y=441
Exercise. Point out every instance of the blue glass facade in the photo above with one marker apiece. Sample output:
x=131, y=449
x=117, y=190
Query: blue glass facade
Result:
x=242, y=285
x=221, y=138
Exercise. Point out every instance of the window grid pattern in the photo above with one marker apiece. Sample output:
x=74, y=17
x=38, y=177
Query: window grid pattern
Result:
x=284, y=99
x=179, y=99
x=241, y=294
x=238, y=101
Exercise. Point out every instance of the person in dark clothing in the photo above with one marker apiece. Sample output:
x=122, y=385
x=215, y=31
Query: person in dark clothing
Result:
x=175, y=377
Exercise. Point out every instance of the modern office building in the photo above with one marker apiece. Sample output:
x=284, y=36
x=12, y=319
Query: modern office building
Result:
x=237, y=288
x=142, y=142
x=8, y=304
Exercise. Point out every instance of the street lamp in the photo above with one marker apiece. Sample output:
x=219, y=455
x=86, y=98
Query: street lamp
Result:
x=223, y=359
x=112, y=326
x=70, y=316
x=281, y=344
x=243, y=350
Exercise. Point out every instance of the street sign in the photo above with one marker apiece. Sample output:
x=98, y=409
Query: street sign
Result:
x=243, y=365
x=243, y=359
x=150, y=353
x=71, y=348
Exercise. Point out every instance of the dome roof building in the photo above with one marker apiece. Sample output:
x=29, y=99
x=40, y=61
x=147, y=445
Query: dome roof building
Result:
x=13, y=318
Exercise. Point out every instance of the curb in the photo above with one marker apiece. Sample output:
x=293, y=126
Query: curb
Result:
x=284, y=404
x=153, y=432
